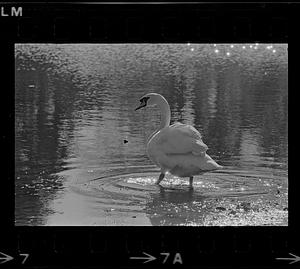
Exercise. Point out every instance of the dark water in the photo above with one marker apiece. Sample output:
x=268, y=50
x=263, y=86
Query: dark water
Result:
x=74, y=106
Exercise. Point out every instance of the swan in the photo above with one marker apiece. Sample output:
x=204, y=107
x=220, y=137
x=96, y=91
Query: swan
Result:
x=177, y=148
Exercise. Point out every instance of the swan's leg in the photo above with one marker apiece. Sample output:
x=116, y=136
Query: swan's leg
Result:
x=161, y=177
x=191, y=182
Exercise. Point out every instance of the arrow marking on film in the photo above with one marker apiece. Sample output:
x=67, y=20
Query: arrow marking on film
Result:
x=293, y=260
x=5, y=258
x=149, y=258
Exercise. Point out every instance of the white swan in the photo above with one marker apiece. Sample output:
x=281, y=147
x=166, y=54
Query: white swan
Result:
x=177, y=148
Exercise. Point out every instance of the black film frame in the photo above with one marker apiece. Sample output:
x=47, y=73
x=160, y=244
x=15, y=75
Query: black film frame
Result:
x=207, y=247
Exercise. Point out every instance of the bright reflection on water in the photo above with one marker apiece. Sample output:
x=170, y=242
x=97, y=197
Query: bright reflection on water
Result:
x=75, y=106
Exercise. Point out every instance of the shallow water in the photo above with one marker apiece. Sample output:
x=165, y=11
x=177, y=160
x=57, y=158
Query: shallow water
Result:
x=75, y=107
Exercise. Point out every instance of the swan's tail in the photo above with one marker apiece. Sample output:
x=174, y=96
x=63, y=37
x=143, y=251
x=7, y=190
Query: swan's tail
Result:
x=219, y=166
x=207, y=163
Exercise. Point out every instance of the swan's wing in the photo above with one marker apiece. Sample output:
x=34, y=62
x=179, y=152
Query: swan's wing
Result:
x=182, y=138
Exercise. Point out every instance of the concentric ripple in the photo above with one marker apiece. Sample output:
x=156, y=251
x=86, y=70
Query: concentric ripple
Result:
x=129, y=196
x=139, y=186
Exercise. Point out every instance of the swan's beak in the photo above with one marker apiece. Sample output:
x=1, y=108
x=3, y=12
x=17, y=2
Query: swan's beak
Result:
x=143, y=102
x=140, y=106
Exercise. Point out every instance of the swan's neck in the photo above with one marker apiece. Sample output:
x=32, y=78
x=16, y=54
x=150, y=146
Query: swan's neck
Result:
x=149, y=138
x=165, y=113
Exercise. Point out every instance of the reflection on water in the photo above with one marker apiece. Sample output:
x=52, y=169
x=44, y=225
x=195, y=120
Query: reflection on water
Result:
x=75, y=106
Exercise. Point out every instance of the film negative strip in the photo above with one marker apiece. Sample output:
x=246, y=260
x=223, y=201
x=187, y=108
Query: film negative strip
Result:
x=76, y=73
x=145, y=22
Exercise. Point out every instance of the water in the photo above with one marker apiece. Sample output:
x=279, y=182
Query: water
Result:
x=74, y=107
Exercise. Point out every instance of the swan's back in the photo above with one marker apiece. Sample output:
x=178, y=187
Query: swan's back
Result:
x=179, y=139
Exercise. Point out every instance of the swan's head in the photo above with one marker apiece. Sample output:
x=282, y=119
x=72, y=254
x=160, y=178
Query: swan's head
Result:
x=150, y=99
